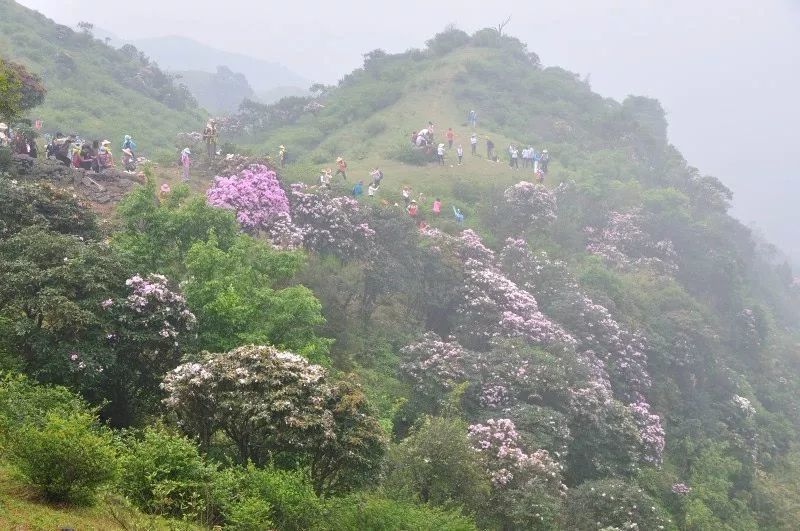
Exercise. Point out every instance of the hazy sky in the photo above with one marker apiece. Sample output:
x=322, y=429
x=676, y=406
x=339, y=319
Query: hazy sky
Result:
x=726, y=71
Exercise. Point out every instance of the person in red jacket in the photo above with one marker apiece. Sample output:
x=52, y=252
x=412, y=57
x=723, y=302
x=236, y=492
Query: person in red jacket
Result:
x=341, y=168
x=450, y=136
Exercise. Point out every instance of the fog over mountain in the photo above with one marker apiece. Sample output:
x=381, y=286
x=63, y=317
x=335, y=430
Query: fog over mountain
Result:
x=730, y=98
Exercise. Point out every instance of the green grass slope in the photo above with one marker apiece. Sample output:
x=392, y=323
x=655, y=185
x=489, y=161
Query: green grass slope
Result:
x=369, y=116
x=21, y=509
x=93, y=89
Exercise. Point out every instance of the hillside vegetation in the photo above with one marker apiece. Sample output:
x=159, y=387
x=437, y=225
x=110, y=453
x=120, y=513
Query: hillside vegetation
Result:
x=95, y=90
x=607, y=350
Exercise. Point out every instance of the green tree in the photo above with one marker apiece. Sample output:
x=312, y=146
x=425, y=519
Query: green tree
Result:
x=235, y=295
x=436, y=464
x=20, y=90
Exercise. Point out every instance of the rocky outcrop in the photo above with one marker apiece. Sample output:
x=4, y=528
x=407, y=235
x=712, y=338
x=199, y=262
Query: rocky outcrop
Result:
x=106, y=187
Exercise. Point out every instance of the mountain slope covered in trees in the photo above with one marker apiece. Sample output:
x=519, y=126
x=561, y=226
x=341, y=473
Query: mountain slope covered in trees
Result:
x=95, y=90
x=607, y=350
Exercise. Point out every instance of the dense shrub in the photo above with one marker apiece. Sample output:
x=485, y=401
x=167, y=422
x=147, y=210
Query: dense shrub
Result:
x=613, y=503
x=68, y=457
x=254, y=498
x=415, y=156
x=364, y=511
x=163, y=473
x=436, y=464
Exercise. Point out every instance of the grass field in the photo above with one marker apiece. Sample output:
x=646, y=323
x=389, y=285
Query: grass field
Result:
x=21, y=509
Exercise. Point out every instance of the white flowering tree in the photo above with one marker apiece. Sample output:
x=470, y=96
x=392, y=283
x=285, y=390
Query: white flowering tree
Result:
x=273, y=404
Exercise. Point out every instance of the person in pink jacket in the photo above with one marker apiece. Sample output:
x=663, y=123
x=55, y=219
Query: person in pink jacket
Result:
x=437, y=207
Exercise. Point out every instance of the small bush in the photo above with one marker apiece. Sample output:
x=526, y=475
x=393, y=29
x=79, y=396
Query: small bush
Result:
x=408, y=154
x=164, y=473
x=68, y=457
x=253, y=498
x=364, y=511
x=24, y=402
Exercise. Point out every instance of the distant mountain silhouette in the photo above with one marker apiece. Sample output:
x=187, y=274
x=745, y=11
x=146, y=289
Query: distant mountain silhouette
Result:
x=183, y=54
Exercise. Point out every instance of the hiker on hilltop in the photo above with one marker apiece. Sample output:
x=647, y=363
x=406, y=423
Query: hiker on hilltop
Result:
x=406, y=194
x=128, y=160
x=186, y=162
x=282, y=155
x=450, y=135
x=104, y=160
x=210, y=137
x=128, y=143
x=325, y=178
x=377, y=176
x=544, y=160
x=473, y=142
x=372, y=189
x=472, y=118
x=341, y=168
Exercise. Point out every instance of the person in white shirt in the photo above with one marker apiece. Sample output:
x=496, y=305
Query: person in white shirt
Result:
x=460, y=153
x=440, y=153
x=473, y=141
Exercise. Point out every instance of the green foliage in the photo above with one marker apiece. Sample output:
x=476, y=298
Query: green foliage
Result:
x=157, y=233
x=613, y=503
x=163, y=473
x=67, y=456
x=407, y=153
x=253, y=498
x=24, y=402
x=369, y=511
x=20, y=90
x=23, y=204
x=233, y=294
x=713, y=503
x=436, y=464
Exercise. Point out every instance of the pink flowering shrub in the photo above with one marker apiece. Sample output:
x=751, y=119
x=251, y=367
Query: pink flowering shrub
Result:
x=622, y=351
x=532, y=204
x=650, y=430
x=681, y=488
x=254, y=194
x=333, y=224
x=508, y=465
x=624, y=244
x=434, y=366
x=494, y=306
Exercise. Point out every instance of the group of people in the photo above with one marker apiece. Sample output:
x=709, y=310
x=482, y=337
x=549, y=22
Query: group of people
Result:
x=20, y=142
x=538, y=161
x=412, y=207
x=424, y=138
x=96, y=155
